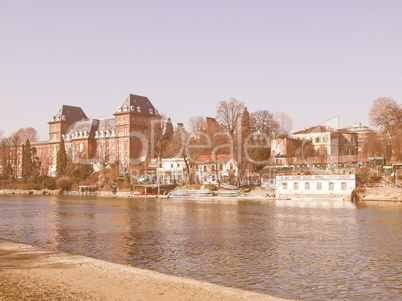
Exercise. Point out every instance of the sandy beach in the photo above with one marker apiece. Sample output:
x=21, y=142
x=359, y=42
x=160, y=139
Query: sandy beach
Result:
x=33, y=273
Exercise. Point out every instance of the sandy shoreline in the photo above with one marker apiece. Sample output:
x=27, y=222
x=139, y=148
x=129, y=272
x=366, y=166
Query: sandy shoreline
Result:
x=33, y=273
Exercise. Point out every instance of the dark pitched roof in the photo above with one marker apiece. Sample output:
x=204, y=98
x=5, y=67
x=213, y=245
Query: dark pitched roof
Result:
x=69, y=114
x=137, y=104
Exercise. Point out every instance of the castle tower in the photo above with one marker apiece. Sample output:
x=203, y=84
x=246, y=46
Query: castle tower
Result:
x=132, y=127
x=63, y=119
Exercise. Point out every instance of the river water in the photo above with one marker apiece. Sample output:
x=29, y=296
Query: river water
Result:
x=304, y=249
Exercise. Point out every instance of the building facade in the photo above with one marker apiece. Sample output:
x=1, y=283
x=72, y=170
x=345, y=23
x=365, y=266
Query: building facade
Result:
x=122, y=139
x=331, y=146
x=315, y=186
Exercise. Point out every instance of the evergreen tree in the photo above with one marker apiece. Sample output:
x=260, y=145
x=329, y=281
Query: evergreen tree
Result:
x=169, y=130
x=27, y=166
x=244, y=137
x=35, y=164
x=167, y=139
x=61, y=164
x=245, y=123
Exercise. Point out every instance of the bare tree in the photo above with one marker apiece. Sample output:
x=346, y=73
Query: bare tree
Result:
x=263, y=122
x=197, y=123
x=229, y=113
x=285, y=123
x=371, y=145
x=386, y=114
x=28, y=133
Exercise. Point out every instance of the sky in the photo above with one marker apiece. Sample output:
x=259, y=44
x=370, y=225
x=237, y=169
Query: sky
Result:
x=314, y=60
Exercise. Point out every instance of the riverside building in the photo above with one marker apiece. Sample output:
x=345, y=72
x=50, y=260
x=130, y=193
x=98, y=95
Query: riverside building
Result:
x=121, y=138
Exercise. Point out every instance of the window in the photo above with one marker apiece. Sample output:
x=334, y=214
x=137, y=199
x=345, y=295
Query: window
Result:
x=296, y=186
x=213, y=167
x=331, y=186
x=325, y=139
x=285, y=186
x=307, y=185
x=343, y=186
x=220, y=167
x=317, y=140
x=205, y=168
x=319, y=186
x=171, y=165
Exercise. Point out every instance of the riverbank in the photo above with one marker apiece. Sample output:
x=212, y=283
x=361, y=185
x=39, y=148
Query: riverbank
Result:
x=378, y=194
x=384, y=194
x=33, y=273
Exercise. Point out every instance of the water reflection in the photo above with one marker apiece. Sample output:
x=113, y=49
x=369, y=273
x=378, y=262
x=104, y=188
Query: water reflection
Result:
x=300, y=249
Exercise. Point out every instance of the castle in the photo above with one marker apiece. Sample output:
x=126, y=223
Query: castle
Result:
x=98, y=141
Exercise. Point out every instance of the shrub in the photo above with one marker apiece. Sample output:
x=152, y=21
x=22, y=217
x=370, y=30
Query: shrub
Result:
x=213, y=188
x=22, y=186
x=64, y=183
x=49, y=183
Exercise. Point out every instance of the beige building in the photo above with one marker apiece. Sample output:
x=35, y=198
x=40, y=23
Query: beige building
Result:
x=331, y=142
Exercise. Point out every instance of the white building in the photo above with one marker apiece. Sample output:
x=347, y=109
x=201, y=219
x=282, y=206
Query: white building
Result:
x=315, y=186
x=172, y=171
x=211, y=169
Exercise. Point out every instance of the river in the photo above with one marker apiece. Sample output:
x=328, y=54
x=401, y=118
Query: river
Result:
x=298, y=249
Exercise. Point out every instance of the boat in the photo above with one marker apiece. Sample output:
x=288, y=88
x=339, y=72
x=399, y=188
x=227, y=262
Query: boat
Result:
x=179, y=194
x=228, y=193
x=199, y=192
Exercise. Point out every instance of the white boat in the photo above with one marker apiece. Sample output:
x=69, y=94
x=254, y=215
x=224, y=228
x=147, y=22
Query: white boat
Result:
x=179, y=194
x=228, y=193
x=199, y=192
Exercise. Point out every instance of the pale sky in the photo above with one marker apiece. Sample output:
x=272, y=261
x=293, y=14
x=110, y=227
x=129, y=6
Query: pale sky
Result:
x=314, y=60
